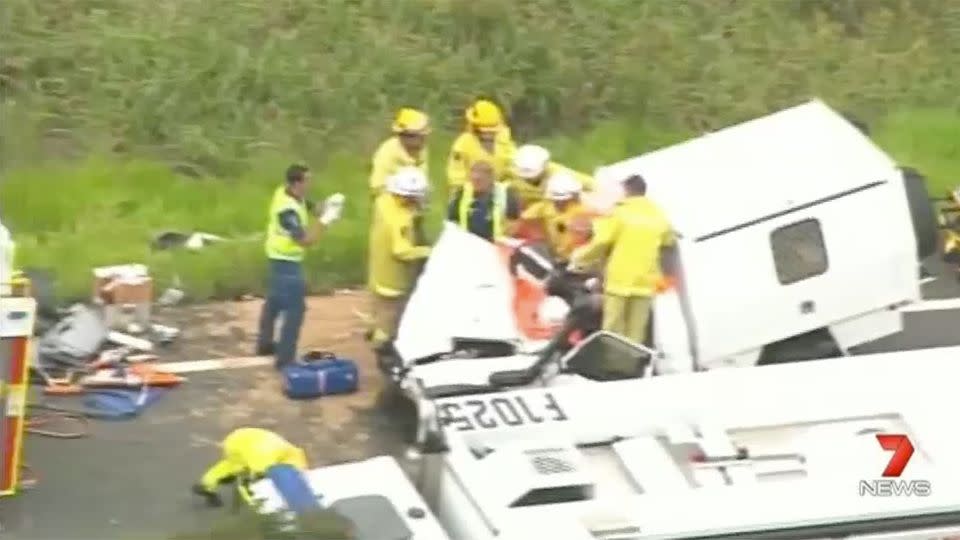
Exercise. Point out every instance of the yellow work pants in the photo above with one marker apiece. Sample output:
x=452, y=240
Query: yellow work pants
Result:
x=385, y=312
x=626, y=316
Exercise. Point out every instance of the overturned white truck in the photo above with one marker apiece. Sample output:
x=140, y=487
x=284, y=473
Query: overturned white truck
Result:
x=815, y=450
x=799, y=239
x=851, y=448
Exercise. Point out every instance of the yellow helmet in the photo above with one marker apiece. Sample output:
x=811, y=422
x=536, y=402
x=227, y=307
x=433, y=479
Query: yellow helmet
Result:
x=411, y=121
x=485, y=116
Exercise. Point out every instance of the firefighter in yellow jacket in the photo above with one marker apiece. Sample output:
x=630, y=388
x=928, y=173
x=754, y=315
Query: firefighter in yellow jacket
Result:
x=406, y=148
x=561, y=216
x=632, y=238
x=532, y=168
x=247, y=455
x=393, y=251
x=487, y=138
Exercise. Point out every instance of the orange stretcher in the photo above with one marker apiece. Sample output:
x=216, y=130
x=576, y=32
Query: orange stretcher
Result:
x=527, y=297
x=134, y=376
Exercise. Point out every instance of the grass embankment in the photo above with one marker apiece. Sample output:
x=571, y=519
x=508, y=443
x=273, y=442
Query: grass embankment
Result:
x=149, y=88
x=71, y=218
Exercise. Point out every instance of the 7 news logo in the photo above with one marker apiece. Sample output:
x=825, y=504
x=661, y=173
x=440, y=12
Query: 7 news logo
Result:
x=891, y=485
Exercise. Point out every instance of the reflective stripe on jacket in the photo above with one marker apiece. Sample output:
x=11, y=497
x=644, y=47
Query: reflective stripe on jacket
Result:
x=529, y=193
x=498, y=211
x=279, y=244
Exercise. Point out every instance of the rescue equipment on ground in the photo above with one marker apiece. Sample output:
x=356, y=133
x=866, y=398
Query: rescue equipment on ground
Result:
x=320, y=373
x=16, y=331
x=121, y=404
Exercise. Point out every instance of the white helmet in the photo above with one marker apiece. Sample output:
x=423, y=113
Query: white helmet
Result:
x=562, y=186
x=530, y=161
x=553, y=311
x=408, y=182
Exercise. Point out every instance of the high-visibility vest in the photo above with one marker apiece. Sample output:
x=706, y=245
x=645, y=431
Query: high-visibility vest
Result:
x=279, y=244
x=499, y=210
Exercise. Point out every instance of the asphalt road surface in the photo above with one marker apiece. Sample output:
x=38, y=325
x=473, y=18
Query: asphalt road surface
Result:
x=130, y=479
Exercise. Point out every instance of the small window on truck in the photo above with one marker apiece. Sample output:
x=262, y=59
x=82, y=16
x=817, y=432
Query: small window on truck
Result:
x=799, y=251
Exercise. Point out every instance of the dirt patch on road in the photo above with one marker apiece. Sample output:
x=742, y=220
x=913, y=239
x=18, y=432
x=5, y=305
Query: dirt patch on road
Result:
x=337, y=427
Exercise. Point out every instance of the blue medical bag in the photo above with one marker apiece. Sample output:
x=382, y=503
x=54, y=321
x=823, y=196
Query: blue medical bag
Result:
x=320, y=374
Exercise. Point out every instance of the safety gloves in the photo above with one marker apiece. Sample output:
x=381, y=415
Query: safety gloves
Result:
x=332, y=208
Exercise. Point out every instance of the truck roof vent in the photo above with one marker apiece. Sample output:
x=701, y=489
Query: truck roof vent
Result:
x=550, y=461
x=619, y=533
x=539, y=475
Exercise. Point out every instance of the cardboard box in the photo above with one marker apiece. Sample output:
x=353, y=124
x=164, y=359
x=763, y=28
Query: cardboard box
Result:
x=124, y=284
x=127, y=291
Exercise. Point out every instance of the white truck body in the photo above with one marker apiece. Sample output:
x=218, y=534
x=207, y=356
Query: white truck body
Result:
x=614, y=461
x=747, y=281
x=375, y=494
x=773, y=216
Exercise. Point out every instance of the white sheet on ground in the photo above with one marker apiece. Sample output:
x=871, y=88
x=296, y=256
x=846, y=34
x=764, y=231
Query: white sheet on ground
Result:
x=465, y=291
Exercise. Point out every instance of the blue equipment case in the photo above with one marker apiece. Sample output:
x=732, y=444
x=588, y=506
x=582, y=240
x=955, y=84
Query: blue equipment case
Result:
x=320, y=374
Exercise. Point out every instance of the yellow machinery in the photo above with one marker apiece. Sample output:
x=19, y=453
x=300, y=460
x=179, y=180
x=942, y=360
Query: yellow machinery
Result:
x=17, y=313
x=949, y=216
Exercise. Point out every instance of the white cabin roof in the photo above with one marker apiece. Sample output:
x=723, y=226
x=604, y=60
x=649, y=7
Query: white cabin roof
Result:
x=633, y=442
x=774, y=163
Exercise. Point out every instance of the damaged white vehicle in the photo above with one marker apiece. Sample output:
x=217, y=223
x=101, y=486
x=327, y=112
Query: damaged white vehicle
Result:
x=775, y=265
x=812, y=450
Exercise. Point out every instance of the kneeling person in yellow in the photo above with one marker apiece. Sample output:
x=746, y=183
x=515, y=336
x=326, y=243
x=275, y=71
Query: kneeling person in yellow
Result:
x=393, y=251
x=532, y=169
x=248, y=453
x=558, y=215
x=632, y=238
x=406, y=148
x=487, y=138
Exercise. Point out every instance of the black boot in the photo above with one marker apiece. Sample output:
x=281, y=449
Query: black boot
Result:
x=212, y=499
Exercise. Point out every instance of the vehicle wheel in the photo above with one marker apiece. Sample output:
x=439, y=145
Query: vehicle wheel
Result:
x=810, y=346
x=924, y=217
x=399, y=411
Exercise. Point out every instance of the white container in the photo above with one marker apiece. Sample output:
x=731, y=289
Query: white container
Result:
x=7, y=249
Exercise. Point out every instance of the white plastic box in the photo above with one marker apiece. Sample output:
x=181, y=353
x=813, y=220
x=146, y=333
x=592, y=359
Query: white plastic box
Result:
x=7, y=251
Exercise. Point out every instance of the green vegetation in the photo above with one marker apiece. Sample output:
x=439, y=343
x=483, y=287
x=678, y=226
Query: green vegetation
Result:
x=124, y=119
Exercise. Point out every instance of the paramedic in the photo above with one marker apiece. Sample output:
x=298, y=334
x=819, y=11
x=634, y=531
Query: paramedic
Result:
x=486, y=138
x=394, y=253
x=563, y=216
x=532, y=169
x=482, y=205
x=288, y=234
x=406, y=148
x=248, y=453
x=633, y=238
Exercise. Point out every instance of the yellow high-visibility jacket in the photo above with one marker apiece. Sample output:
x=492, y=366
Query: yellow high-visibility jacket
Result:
x=467, y=150
x=528, y=192
x=631, y=238
x=558, y=225
x=279, y=245
x=389, y=157
x=259, y=449
x=392, y=247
